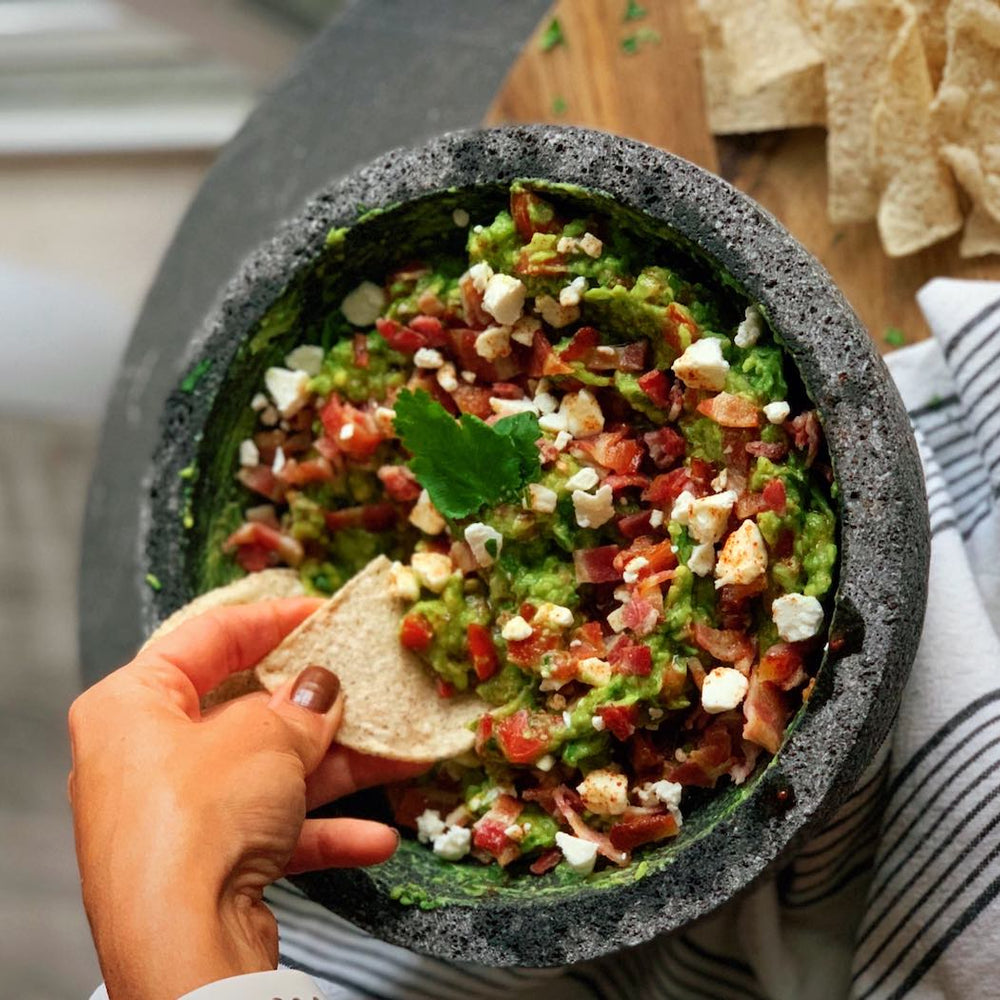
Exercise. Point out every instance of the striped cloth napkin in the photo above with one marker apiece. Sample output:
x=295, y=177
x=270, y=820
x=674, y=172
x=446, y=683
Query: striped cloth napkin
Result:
x=897, y=897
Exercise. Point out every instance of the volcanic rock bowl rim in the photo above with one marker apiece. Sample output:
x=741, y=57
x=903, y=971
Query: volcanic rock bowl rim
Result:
x=884, y=532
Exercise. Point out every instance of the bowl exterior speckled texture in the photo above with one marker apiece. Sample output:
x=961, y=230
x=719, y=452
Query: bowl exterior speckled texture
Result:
x=884, y=532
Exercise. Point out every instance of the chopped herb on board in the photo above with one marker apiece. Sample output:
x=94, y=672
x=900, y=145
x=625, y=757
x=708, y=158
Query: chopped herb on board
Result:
x=894, y=337
x=153, y=581
x=633, y=12
x=196, y=374
x=559, y=105
x=631, y=43
x=552, y=36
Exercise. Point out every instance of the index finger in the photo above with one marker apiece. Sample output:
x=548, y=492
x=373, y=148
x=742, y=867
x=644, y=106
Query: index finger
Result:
x=207, y=649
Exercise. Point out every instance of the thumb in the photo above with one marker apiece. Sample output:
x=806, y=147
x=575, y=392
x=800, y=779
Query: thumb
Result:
x=311, y=706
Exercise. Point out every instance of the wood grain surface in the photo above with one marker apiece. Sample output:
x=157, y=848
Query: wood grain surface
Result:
x=654, y=94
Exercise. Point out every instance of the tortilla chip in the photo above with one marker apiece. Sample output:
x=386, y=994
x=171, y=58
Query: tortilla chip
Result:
x=392, y=708
x=919, y=202
x=967, y=108
x=745, y=92
x=933, y=32
x=981, y=235
x=262, y=586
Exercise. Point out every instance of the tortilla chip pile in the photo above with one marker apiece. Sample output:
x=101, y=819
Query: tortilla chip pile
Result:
x=909, y=91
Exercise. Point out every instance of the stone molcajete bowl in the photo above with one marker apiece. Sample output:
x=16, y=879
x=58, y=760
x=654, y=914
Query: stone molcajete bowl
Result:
x=475, y=913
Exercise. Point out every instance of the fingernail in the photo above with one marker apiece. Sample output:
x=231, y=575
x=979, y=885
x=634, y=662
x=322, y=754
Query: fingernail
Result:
x=316, y=689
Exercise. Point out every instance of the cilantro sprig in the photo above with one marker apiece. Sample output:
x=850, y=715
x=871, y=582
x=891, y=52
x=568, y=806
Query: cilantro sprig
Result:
x=466, y=464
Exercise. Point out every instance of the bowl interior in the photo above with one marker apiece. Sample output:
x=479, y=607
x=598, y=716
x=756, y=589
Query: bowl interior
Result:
x=307, y=312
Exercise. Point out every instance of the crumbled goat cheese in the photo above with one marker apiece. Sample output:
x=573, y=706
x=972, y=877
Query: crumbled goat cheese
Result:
x=545, y=402
x=554, y=617
x=504, y=298
x=777, y=412
x=743, y=558
x=709, y=516
x=493, y=343
x=594, y=671
x=523, y=331
x=249, y=453
x=541, y=499
x=797, y=617
x=604, y=792
x=259, y=402
x=723, y=688
x=346, y=432
x=591, y=245
x=562, y=440
x=546, y=763
x=681, y=511
x=306, y=358
x=554, y=314
x=597, y=722
x=429, y=825
x=288, y=389
x=616, y=619
x=516, y=629
x=572, y=293
x=580, y=854
x=480, y=274
x=701, y=562
x=479, y=536
x=667, y=793
x=403, y=583
x=364, y=305
x=750, y=329
x=583, y=414
x=279, y=460
x=425, y=515
x=446, y=377
x=469, y=377
x=427, y=357
x=433, y=569
x=702, y=365
x=384, y=419
x=585, y=479
x=655, y=518
x=453, y=844
x=593, y=509
x=511, y=407
x=633, y=568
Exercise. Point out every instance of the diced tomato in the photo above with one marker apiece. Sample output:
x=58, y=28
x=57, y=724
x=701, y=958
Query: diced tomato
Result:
x=631, y=657
x=528, y=652
x=545, y=861
x=489, y=832
x=484, y=731
x=399, y=482
x=544, y=360
x=582, y=343
x=666, y=446
x=696, y=478
x=628, y=834
x=416, y=632
x=431, y=329
x=260, y=479
x=443, y=688
x=525, y=736
x=474, y=399
x=774, y=495
x=782, y=665
x=482, y=651
x=730, y=410
x=370, y=517
x=398, y=337
x=619, y=720
x=365, y=437
x=472, y=305
x=360, y=348
x=634, y=525
x=296, y=473
x=532, y=214
x=766, y=711
x=596, y=565
x=659, y=555
x=253, y=533
x=775, y=451
x=254, y=558
x=587, y=640
x=489, y=836
x=656, y=386
x=613, y=450
x=808, y=434
x=726, y=645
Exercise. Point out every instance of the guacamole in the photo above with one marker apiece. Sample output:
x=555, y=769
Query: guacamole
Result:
x=610, y=509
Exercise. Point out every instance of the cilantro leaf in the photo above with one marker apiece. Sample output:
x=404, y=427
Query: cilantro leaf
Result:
x=552, y=36
x=465, y=464
x=633, y=11
x=894, y=336
x=559, y=105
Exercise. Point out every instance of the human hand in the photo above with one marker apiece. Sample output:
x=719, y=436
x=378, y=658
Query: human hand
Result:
x=183, y=817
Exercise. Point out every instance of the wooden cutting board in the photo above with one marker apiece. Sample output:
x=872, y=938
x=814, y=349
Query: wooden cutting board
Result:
x=654, y=94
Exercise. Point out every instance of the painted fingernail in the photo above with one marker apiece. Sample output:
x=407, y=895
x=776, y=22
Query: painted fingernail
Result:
x=316, y=689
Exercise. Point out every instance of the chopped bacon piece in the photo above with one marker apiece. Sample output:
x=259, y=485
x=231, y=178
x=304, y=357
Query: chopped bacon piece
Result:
x=749, y=505
x=472, y=305
x=260, y=479
x=525, y=736
x=807, y=434
x=659, y=555
x=666, y=447
x=399, y=482
x=635, y=525
x=640, y=615
x=734, y=603
x=431, y=329
x=785, y=544
x=619, y=483
x=656, y=386
x=619, y=720
x=545, y=861
x=629, y=833
x=775, y=496
x=775, y=451
x=544, y=360
x=783, y=665
x=596, y=565
x=545, y=796
x=265, y=537
x=416, y=632
x=398, y=337
x=766, y=711
x=462, y=558
x=726, y=645
x=696, y=478
x=370, y=517
x=609, y=357
x=711, y=759
x=631, y=657
x=580, y=346
x=296, y=473
x=646, y=758
x=613, y=450
x=253, y=558
x=730, y=410
x=482, y=652
x=474, y=399
x=360, y=348
x=562, y=799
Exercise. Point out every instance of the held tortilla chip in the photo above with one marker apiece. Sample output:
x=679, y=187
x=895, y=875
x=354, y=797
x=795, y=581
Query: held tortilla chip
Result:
x=918, y=205
x=262, y=586
x=967, y=107
x=392, y=708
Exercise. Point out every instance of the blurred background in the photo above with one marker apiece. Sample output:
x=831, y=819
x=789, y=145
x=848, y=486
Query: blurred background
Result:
x=110, y=115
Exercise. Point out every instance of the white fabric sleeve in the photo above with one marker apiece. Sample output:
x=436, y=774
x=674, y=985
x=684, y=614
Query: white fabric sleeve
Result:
x=281, y=984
